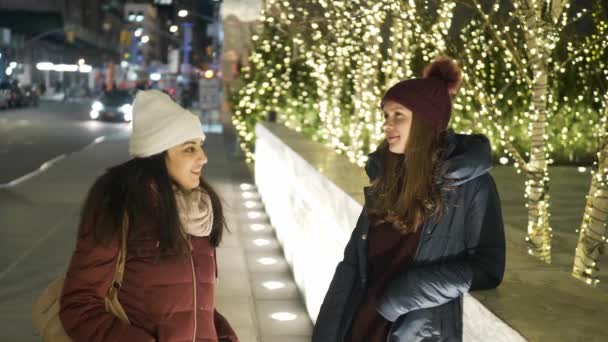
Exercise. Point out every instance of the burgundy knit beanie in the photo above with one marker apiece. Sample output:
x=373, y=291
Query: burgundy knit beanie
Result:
x=429, y=98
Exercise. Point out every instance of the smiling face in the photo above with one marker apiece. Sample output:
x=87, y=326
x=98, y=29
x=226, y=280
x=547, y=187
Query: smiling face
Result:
x=185, y=162
x=397, y=125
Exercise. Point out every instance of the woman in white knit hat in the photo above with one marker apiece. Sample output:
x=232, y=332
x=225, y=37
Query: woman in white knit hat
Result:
x=174, y=221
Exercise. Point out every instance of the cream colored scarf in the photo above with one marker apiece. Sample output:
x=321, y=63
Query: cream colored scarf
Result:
x=195, y=211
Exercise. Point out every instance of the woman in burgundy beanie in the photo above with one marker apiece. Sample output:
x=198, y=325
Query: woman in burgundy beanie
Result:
x=431, y=228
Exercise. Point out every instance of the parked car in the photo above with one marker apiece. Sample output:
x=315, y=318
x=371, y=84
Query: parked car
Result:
x=4, y=98
x=114, y=105
x=15, y=98
x=30, y=96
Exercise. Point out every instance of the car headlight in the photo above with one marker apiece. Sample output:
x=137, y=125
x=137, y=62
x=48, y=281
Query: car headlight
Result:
x=97, y=106
x=127, y=110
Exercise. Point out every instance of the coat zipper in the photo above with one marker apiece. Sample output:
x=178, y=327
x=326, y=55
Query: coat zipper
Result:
x=195, y=299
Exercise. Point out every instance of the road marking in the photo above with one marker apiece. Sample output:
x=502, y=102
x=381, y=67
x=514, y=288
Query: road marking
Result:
x=40, y=170
x=47, y=165
x=34, y=246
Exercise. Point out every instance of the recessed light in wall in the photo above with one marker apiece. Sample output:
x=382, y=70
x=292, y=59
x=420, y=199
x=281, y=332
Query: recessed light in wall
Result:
x=246, y=186
x=247, y=195
x=254, y=214
x=251, y=204
x=267, y=261
x=261, y=242
x=283, y=316
x=273, y=285
x=256, y=227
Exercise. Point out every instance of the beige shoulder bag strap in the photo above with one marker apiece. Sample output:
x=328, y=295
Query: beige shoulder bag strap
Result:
x=111, y=300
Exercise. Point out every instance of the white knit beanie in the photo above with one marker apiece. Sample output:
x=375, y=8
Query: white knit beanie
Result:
x=159, y=124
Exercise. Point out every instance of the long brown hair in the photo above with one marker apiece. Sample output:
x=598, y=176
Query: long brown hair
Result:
x=409, y=189
x=142, y=188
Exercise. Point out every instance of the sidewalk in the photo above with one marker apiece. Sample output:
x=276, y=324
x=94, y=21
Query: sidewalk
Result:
x=38, y=221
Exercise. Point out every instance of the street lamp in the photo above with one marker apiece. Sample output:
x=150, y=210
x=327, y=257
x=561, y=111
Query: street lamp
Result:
x=182, y=13
x=173, y=28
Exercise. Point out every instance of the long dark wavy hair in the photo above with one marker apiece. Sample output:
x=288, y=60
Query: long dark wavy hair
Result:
x=409, y=189
x=142, y=189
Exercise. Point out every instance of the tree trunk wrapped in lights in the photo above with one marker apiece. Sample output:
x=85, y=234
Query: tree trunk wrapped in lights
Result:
x=540, y=31
x=592, y=233
x=526, y=46
x=591, y=64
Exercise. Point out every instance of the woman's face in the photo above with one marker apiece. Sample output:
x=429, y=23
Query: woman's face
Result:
x=397, y=125
x=185, y=163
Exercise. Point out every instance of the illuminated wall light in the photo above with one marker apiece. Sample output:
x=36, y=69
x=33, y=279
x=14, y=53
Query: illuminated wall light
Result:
x=261, y=242
x=254, y=214
x=256, y=227
x=283, y=316
x=267, y=261
x=248, y=195
x=273, y=285
x=251, y=204
x=246, y=186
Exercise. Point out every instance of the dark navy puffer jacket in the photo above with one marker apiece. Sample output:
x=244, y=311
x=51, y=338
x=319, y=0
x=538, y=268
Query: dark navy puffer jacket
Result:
x=463, y=251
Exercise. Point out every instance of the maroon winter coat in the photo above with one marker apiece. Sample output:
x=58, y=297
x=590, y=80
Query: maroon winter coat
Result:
x=158, y=295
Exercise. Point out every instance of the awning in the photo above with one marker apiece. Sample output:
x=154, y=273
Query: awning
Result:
x=31, y=22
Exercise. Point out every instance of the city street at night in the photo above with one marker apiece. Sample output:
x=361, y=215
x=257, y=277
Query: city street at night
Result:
x=33, y=136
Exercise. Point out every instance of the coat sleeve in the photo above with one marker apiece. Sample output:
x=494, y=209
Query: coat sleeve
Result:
x=327, y=327
x=482, y=267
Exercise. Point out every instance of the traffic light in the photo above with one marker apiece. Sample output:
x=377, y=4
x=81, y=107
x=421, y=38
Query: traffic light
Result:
x=125, y=38
x=69, y=36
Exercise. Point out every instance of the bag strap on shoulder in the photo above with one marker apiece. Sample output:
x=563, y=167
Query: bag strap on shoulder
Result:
x=122, y=254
